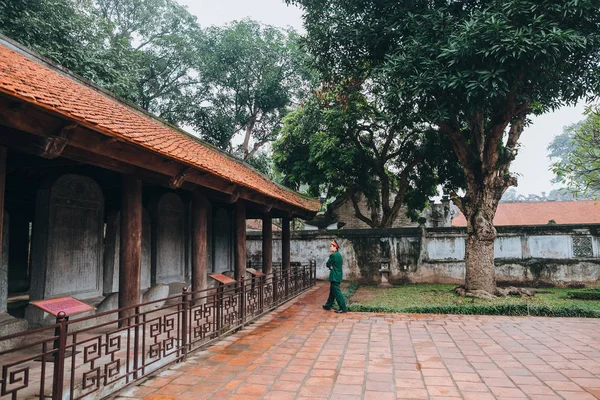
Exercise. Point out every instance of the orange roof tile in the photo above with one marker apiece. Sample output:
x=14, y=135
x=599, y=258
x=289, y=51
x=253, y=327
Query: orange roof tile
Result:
x=539, y=213
x=48, y=88
x=257, y=224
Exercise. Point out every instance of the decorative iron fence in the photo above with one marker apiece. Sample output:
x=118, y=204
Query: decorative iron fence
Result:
x=94, y=356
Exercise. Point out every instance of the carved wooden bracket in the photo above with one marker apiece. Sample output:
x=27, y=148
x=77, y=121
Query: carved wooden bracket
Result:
x=235, y=195
x=268, y=207
x=178, y=180
x=56, y=144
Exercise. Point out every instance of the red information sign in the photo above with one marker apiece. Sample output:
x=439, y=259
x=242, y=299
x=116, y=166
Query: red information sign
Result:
x=254, y=272
x=225, y=280
x=69, y=305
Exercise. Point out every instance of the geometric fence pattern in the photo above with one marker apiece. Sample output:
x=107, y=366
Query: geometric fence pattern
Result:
x=100, y=354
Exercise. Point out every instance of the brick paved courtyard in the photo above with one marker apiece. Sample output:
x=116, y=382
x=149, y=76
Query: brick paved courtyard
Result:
x=301, y=352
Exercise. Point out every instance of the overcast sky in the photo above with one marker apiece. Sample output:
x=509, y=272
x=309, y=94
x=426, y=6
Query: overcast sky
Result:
x=532, y=162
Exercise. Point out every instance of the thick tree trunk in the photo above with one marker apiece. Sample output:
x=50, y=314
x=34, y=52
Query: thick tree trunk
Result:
x=479, y=261
x=479, y=255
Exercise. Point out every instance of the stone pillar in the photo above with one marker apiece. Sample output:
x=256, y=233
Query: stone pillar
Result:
x=130, y=254
x=240, y=239
x=267, y=244
x=199, y=242
x=3, y=235
x=285, y=250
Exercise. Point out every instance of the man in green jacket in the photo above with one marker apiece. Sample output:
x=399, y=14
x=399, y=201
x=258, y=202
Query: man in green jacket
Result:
x=335, y=278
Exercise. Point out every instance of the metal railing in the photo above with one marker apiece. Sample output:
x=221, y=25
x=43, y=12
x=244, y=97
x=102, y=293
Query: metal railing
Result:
x=94, y=356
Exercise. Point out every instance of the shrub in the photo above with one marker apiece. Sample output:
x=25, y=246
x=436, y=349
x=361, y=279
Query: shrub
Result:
x=350, y=290
x=593, y=294
x=485, y=309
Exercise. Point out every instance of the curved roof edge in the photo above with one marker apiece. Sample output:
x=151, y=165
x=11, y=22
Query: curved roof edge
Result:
x=36, y=80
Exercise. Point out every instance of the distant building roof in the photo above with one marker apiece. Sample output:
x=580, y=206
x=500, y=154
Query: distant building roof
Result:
x=539, y=213
x=26, y=76
x=257, y=224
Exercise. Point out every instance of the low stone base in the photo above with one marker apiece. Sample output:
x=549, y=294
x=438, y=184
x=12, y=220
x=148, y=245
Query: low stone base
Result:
x=10, y=325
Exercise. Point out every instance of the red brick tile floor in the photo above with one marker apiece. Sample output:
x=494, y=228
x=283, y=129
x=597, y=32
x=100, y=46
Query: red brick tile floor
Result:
x=301, y=351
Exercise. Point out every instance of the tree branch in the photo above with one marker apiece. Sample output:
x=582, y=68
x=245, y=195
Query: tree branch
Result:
x=255, y=148
x=357, y=213
x=399, y=199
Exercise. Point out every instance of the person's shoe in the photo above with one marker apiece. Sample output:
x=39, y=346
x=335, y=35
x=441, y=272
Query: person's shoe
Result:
x=325, y=307
x=341, y=311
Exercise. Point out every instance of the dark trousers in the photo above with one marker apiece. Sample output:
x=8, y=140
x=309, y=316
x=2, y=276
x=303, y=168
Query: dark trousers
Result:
x=335, y=294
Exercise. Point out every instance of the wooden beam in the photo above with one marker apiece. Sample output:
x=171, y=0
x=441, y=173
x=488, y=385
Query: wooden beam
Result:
x=267, y=244
x=130, y=259
x=39, y=122
x=56, y=144
x=285, y=251
x=3, y=279
x=24, y=117
x=199, y=243
x=240, y=240
x=134, y=155
x=178, y=180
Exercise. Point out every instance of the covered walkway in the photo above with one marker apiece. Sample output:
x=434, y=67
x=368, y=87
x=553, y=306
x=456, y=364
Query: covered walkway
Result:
x=301, y=351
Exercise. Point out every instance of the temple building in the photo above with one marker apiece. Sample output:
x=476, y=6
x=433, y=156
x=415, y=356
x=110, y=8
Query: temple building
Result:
x=100, y=197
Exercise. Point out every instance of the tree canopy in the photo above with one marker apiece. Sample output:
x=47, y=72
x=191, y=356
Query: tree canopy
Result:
x=475, y=70
x=221, y=81
x=352, y=139
x=577, y=154
x=252, y=74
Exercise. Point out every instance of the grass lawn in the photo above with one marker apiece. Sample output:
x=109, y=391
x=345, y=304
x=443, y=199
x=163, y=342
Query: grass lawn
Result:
x=440, y=299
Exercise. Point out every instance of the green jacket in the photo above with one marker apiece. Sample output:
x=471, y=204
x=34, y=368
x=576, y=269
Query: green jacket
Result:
x=335, y=264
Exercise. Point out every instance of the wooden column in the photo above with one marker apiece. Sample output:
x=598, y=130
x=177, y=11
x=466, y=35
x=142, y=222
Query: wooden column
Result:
x=240, y=239
x=130, y=259
x=267, y=244
x=285, y=252
x=4, y=278
x=199, y=243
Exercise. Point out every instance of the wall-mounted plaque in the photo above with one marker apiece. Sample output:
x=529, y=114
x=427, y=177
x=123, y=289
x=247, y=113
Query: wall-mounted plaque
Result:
x=225, y=280
x=254, y=272
x=68, y=305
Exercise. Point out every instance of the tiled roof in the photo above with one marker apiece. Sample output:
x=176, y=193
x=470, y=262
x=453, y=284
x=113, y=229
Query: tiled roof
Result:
x=48, y=88
x=539, y=213
x=257, y=224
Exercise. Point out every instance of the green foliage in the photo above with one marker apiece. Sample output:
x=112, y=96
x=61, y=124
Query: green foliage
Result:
x=141, y=50
x=592, y=294
x=441, y=299
x=155, y=44
x=61, y=30
x=252, y=75
x=481, y=309
x=350, y=290
x=262, y=162
x=577, y=154
x=241, y=78
x=471, y=68
x=355, y=138
x=475, y=70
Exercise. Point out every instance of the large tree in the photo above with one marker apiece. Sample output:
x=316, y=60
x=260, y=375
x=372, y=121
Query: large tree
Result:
x=355, y=139
x=63, y=31
x=475, y=69
x=576, y=153
x=253, y=74
x=141, y=50
x=156, y=46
